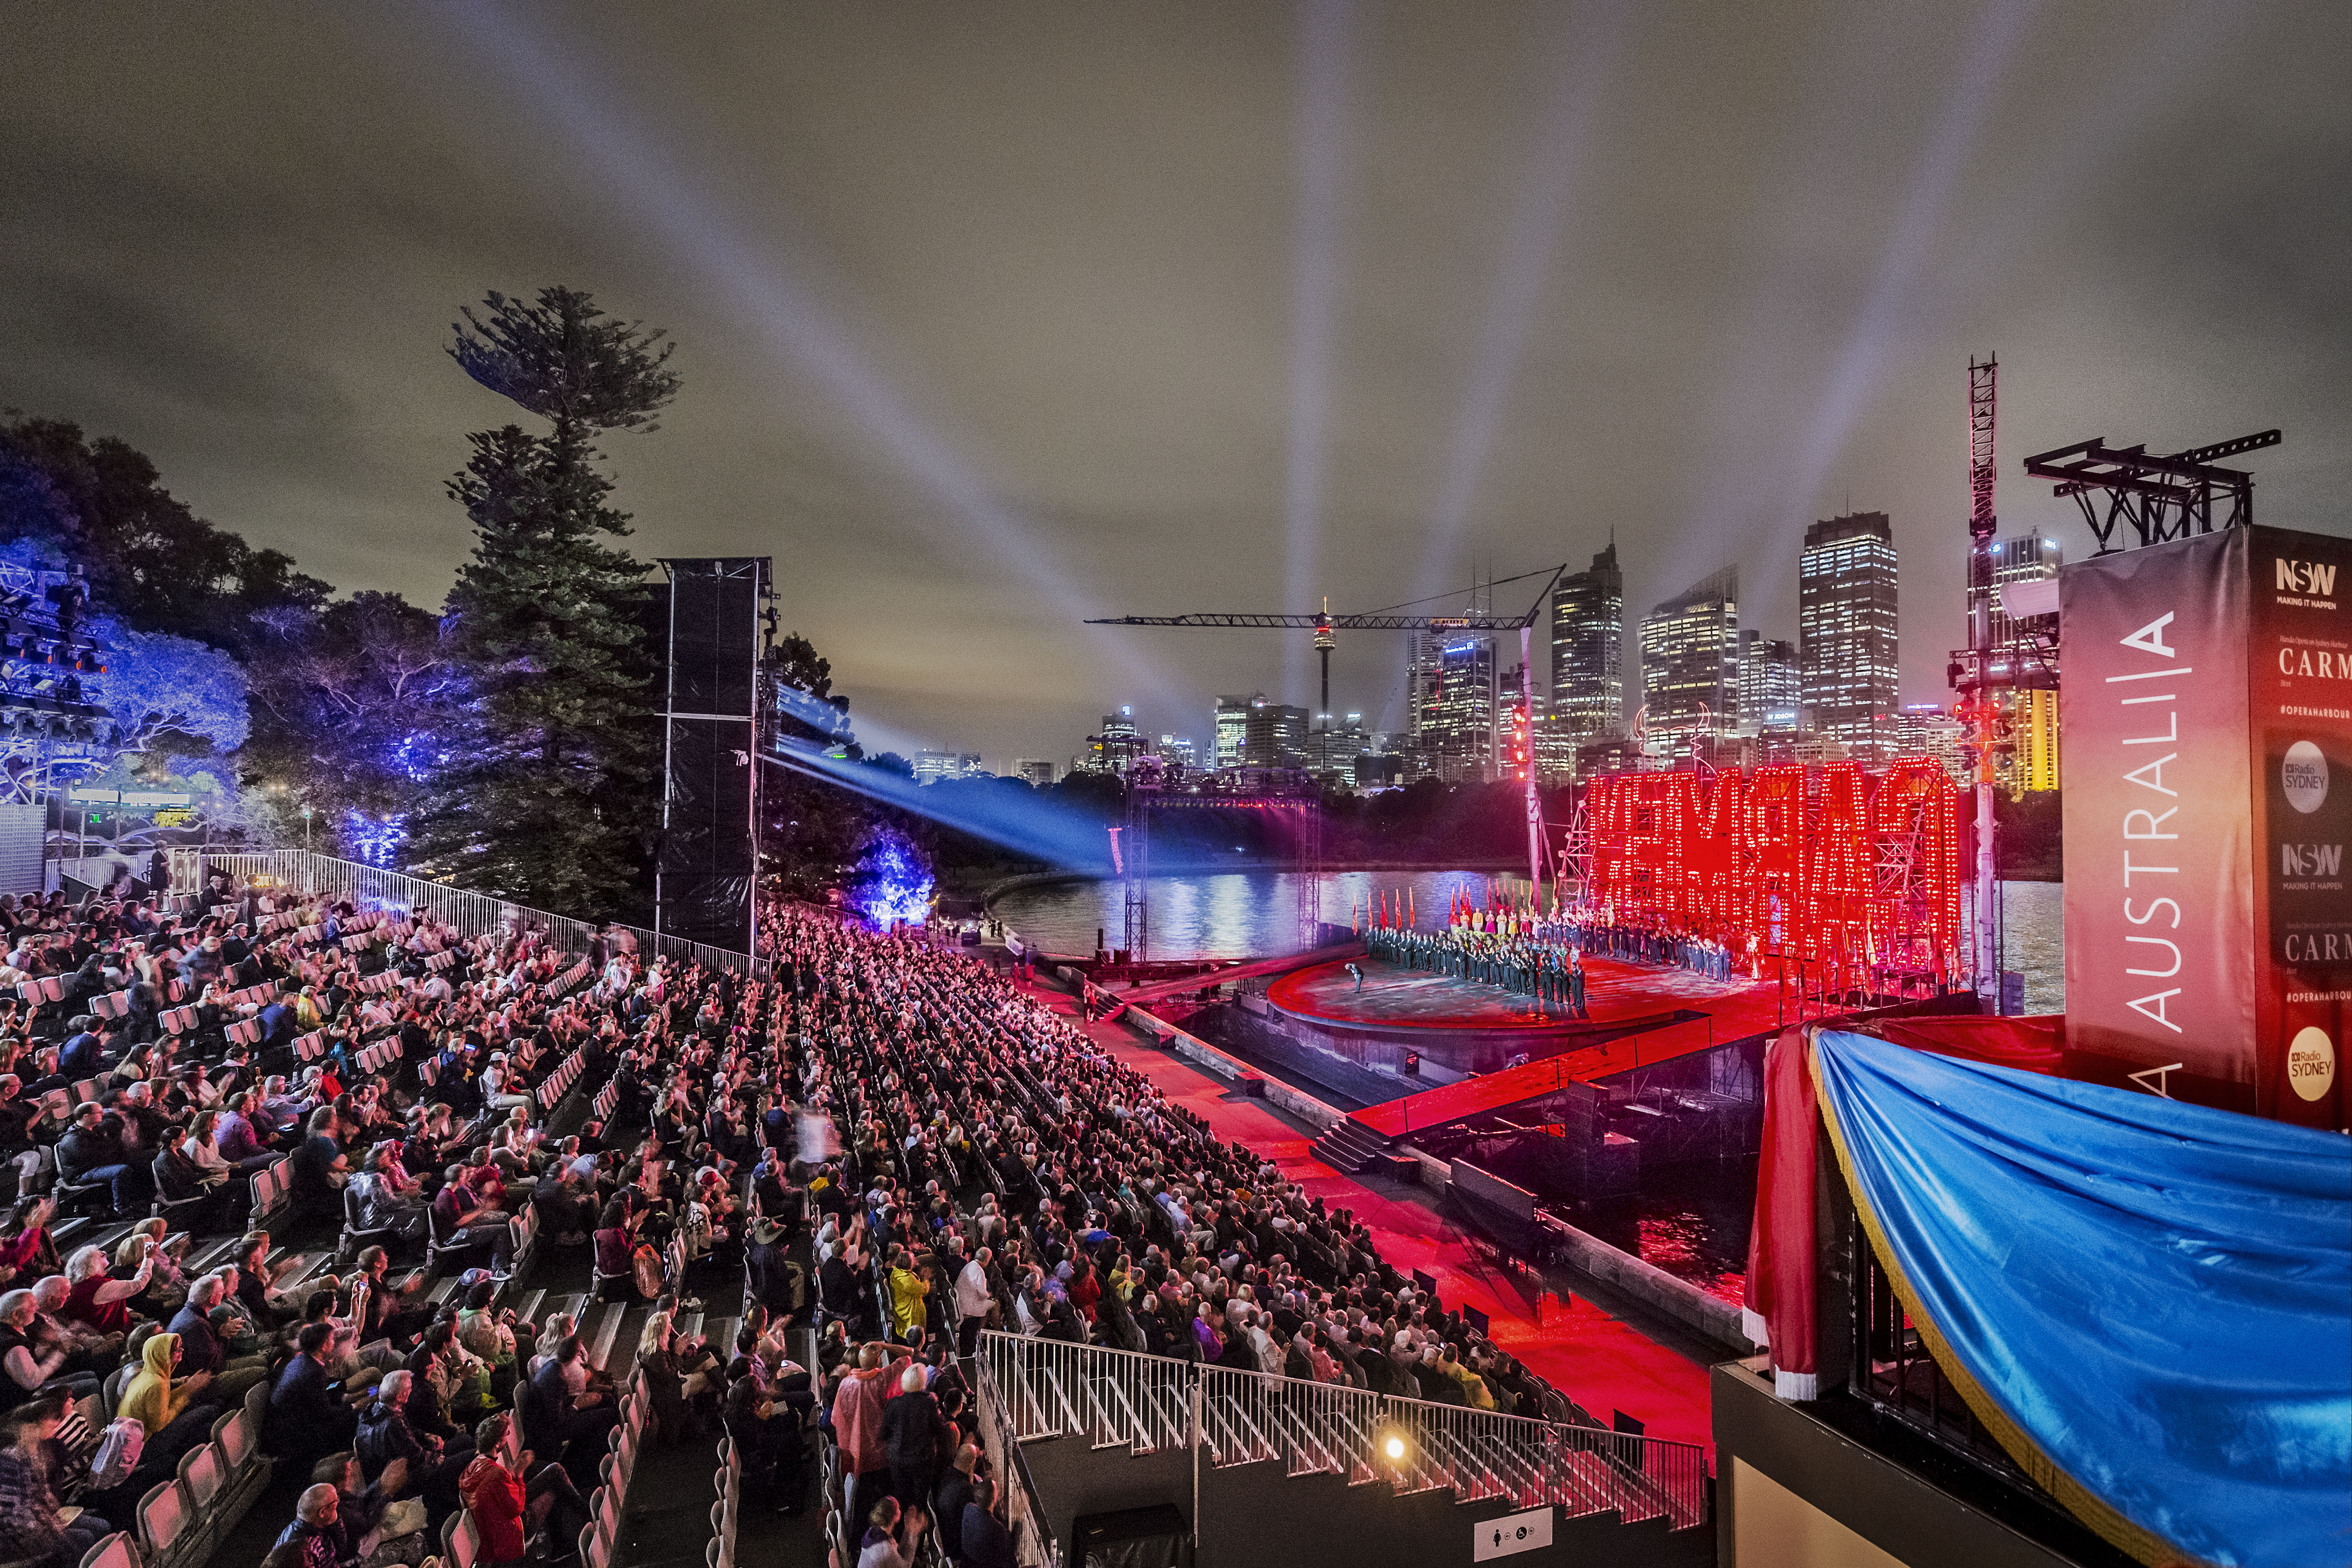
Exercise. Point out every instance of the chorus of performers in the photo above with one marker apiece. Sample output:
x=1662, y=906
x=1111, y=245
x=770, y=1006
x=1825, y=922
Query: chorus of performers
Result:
x=1514, y=946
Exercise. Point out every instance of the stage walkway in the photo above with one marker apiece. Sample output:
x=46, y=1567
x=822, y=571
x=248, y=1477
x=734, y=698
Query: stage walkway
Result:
x=1158, y=989
x=1634, y=1016
x=1596, y=1358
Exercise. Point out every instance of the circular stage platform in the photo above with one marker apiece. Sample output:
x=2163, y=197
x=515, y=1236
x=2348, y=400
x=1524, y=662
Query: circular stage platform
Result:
x=1470, y=1027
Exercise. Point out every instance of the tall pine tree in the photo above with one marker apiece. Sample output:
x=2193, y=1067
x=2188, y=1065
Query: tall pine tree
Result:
x=544, y=794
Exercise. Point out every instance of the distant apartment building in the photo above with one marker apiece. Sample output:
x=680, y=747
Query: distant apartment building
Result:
x=1770, y=696
x=1277, y=736
x=1928, y=729
x=1848, y=673
x=1230, y=730
x=1115, y=748
x=1690, y=666
x=931, y=767
x=1038, y=771
x=1179, y=751
x=1588, y=648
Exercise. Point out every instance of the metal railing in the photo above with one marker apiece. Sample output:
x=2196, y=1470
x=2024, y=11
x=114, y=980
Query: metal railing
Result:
x=469, y=913
x=1034, y=1545
x=1047, y=1388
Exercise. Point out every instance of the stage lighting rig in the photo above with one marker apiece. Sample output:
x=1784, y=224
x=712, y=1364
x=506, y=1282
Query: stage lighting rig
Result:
x=2162, y=497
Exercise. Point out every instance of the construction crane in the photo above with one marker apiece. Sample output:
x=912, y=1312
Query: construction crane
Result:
x=1325, y=626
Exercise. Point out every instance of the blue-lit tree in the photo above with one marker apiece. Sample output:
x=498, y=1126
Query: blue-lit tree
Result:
x=352, y=708
x=892, y=883
x=171, y=692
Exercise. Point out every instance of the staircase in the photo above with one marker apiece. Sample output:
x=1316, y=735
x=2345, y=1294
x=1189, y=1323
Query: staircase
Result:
x=1096, y=1399
x=1351, y=1146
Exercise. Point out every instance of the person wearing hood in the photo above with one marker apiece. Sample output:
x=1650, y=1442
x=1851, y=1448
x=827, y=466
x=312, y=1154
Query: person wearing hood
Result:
x=431, y=1467
x=165, y=1407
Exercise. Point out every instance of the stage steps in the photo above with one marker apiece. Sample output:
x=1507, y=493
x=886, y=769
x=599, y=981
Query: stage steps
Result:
x=1351, y=1146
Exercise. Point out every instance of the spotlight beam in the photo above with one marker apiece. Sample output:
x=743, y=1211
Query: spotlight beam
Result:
x=784, y=311
x=1325, y=28
x=1578, y=70
x=1043, y=832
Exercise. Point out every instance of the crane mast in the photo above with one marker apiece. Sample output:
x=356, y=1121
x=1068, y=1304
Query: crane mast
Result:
x=1983, y=706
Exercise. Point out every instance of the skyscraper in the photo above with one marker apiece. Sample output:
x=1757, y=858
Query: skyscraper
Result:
x=1120, y=741
x=1180, y=750
x=1038, y=771
x=1690, y=665
x=1232, y=731
x=1768, y=688
x=1277, y=736
x=1845, y=631
x=1459, y=737
x=1588, y=648
x=2032, y=762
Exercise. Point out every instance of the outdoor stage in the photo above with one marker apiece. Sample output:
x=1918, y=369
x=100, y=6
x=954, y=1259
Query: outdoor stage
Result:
x=1464, y=1026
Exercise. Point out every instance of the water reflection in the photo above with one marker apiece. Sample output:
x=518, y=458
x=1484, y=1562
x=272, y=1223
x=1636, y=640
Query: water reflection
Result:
x=2033, y=942
x=1221, y=914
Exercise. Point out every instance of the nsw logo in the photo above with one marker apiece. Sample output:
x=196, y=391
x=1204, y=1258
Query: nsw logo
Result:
x=2313, y=577
x=2311, y=859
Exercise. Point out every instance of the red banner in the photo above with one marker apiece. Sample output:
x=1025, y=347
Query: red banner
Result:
x=2207, y=710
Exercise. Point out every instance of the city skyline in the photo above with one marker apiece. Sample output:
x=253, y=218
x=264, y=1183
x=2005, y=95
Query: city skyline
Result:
x=986, y=329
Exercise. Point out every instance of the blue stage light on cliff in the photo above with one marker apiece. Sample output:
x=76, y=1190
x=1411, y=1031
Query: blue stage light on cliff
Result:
x=891, y=885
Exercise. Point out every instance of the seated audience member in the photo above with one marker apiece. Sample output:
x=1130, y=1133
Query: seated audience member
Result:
x=306, y=1420
x=170, y=1407
x=33, y=1528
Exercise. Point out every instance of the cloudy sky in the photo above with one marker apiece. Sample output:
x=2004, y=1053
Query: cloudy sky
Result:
x=994, y=316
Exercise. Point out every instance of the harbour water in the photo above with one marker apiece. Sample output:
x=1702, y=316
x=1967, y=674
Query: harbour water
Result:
x=1221, y=914
x=1254, y=914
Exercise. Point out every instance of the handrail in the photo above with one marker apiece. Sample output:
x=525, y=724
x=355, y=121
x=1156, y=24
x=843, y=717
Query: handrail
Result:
x=1312, y=1428
x=469, y=913
x=1034, y=1544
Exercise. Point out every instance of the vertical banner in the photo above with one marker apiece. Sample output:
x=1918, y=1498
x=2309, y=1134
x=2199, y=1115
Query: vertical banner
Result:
x=2158, y=821
x=2301, y=716
x=2207, y=710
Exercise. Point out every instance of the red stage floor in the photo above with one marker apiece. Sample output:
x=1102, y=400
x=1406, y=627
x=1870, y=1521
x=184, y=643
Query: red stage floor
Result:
x=1615, y=995
x=1599, y=1360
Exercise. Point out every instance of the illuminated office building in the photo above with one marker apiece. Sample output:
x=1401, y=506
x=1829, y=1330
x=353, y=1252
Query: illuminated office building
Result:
x=1848, y=676
x=1276, y=736
x=1769, y=692
x=1230, y=730
x=1457, y=738
x=1588, y=648
x=1690, y=666
x=2032, y=761
x=1119, y=742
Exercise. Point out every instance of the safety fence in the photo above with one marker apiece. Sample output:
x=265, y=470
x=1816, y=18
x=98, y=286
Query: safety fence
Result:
x=1034, y=1545
x=469, y=913
x=1151, y=1403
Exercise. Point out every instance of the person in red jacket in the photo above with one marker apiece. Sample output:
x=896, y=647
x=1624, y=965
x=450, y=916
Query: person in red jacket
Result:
x=507, y=1508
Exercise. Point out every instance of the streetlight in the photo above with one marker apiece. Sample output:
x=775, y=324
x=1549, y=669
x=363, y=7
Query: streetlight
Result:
x=306, y=830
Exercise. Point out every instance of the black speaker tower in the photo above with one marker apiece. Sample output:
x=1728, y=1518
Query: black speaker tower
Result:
x=708, y=862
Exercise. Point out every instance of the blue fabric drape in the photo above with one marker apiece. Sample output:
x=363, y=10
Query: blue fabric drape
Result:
x=2155, y=1298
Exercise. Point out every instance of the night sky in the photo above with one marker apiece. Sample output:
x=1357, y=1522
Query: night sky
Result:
x=992, y=317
